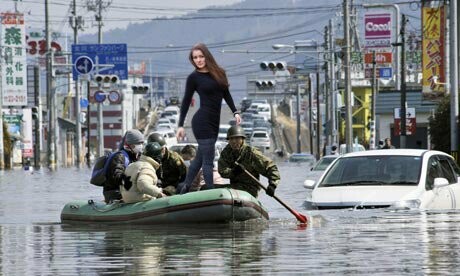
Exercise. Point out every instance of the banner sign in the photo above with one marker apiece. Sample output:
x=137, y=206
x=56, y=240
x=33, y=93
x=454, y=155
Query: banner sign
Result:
x=377, y=30
x=14, y=71
x=380, y=57
x=433, y=49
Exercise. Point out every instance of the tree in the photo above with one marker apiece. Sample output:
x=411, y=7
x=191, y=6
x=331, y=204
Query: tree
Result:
x=7, y=145
x=439, y=124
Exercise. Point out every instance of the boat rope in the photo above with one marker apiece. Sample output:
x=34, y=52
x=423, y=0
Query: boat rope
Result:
x=116, y=204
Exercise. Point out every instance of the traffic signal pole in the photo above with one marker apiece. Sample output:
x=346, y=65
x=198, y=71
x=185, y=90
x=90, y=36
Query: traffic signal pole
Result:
x=75, y=24
x=348, y=112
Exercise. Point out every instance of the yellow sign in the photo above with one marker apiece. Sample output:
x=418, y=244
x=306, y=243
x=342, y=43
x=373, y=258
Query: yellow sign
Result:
x=433, y=47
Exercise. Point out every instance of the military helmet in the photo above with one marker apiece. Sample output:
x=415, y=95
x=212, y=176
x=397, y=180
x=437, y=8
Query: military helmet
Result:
x=153, y=150
x=235, y=131
x=156, y=137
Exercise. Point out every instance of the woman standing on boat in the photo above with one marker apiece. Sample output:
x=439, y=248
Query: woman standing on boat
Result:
x=210, y=82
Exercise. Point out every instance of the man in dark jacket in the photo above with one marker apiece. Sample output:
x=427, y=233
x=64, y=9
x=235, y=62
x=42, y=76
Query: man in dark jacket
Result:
x=172, y=170
x=132, y=147
x=251, y=159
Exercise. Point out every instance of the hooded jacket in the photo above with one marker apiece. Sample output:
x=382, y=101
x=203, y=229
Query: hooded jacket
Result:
x=142, y=175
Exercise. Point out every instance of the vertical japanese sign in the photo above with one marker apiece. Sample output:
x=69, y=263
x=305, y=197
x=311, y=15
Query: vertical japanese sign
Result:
x=14, y=73
x=433, y=34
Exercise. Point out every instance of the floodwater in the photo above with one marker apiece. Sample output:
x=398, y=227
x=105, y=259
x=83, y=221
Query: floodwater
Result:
x=344, y=242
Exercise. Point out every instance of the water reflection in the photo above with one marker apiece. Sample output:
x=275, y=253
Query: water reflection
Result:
x=361, y=242
x=194, y=249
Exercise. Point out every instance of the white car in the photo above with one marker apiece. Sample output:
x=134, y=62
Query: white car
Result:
x=222, y=135
x=168, y=135
x=260, y=139
x=395, y=178
x=318, y=169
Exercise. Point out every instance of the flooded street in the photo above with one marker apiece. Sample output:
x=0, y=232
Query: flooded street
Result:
x=361, y=242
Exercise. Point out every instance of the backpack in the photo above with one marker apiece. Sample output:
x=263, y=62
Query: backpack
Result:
x=101, y=166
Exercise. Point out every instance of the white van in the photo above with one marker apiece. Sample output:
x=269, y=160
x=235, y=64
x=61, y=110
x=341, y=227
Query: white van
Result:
x=265, y=111
x=175, y=110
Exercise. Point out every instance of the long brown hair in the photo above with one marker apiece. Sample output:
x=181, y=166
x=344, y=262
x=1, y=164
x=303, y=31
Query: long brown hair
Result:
x=217, y=72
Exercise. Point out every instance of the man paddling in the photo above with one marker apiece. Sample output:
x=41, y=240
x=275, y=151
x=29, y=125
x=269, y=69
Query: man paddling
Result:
x=251, y=159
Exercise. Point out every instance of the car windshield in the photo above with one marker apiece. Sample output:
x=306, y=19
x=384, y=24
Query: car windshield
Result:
x=374, y=170
x=323, y=163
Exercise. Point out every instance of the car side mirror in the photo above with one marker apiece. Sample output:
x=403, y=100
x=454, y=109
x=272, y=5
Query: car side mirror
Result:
x=309, y=184
x=440, y=182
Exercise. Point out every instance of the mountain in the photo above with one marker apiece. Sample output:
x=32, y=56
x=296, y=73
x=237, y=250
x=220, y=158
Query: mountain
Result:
x=251, y=25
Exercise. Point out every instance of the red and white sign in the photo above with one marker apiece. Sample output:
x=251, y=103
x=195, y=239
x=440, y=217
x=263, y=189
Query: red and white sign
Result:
x=411, y=123
x=381, y=57
x=377, y=30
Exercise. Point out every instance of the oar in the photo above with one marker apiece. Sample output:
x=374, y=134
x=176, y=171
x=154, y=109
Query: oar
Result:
x=299, y=216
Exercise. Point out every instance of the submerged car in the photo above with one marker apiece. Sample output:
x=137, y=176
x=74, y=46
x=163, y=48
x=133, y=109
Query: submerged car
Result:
x=302, y=158
x=318, y=169
x=395, y=178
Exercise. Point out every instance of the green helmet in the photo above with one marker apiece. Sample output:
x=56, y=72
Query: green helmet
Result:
x=153, y=150
x=156, y=137
x=235, y=131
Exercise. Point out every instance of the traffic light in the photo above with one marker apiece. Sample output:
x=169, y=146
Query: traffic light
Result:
x=265, y=84
x=106, y=80
x=140, y=89
x=273, y=65
x=35, y=113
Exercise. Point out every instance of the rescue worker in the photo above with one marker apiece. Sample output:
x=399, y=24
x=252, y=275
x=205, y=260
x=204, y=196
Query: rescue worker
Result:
x=132, y=146
x=140, y=183
x=251, y=159
x=172, y=170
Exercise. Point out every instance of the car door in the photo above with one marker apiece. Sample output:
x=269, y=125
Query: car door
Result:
x=456, y=185
x=442, y=197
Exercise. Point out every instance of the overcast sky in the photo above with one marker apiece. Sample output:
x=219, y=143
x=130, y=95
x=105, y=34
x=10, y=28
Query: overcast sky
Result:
x=119, y=14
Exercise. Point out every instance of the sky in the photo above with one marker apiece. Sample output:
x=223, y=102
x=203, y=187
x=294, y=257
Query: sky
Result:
x=119, y=13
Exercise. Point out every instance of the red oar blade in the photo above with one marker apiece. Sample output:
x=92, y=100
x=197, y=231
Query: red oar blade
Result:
x=301, y=218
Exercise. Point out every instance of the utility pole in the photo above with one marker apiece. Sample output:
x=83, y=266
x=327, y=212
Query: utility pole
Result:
x=298, y=119
x=402, y=44
x=98, y=6
x=38, y=120
x=327, y=86
x=2, y=150
x=50, y=94
x=348, y=111
x=318, y=117
x=374, y=100
x=333, y=84
x=310, y=116
x=76, y=24
x=454, y=109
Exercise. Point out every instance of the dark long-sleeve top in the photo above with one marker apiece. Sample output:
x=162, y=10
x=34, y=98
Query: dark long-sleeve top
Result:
x=205, y=122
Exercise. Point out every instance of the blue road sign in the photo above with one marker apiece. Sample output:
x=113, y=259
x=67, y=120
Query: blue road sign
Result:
x=385, y=72
x=83, y=103
x=106, y=54
x=83, y=65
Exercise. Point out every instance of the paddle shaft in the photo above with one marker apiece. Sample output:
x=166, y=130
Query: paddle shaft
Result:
x=298, y=215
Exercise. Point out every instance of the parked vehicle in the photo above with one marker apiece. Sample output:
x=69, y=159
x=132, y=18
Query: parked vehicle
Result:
x=248, y=127
x=260, y=139
x=302, y=158
x=265, y=111
x=222, y=135
x=396, y=178
x=320, y=167
x=245, y=104
x=168, y=135
x=356, y=147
